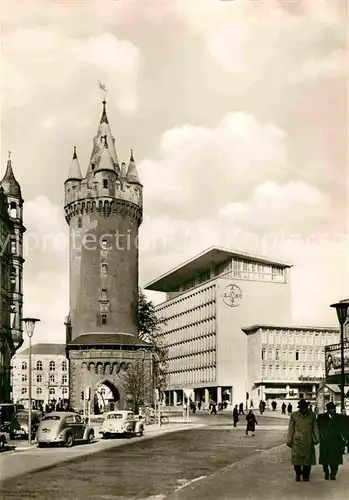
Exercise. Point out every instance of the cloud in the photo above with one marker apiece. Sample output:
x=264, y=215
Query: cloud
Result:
x=273, y=41
x=200, y=168
x=42, y=58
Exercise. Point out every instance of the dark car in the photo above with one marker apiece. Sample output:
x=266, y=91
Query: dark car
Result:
x=7, y=412
x=20, y=423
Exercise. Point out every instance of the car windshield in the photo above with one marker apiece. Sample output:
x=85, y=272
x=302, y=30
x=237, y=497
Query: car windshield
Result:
x=52, y=417
x=115, y=415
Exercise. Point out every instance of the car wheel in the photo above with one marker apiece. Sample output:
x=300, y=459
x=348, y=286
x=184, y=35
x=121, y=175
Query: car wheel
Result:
x=141, y=432
x=69, y=441
x=91, y=437
x=2, y=444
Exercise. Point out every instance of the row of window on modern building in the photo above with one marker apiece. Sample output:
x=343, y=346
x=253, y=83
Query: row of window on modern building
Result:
x=308, y=337
x=194, y=376
x=293, y=355
x=193, y=316
x=192, y=361
x=185, y=333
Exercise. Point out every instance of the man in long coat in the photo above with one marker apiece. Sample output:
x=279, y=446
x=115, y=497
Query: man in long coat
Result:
x=302, y=437
x=332, y=441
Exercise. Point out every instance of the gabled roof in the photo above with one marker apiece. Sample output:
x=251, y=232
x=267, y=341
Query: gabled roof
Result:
x=45, y=349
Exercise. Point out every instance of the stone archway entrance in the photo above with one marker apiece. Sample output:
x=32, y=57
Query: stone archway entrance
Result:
x=106, y=398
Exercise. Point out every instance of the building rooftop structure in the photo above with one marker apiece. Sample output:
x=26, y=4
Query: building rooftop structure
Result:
x=212, y=256
x=253, y=328
x=45, y=349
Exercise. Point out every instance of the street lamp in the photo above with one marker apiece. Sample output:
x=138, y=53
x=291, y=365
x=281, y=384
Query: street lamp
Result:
x=30, y=326
x=342, y=311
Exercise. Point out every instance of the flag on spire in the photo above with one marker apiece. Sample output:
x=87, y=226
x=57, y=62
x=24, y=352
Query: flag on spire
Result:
x=102, y=86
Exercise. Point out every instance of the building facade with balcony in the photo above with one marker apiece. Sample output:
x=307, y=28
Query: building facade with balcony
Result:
x=50, y=375
x=209, y=299
x=286, y=362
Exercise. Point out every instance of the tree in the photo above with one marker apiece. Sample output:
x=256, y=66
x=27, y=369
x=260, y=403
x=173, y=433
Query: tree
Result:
x=138, y=384
x=149, y=330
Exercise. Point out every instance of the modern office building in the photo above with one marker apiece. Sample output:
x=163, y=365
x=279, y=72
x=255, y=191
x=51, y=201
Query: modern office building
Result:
x=209, y=299
x=50, y=376
x=286, y=362
x=11, y=276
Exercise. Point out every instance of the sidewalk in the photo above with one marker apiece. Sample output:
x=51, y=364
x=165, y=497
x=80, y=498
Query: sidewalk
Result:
x=30, y=459
x=267, y=475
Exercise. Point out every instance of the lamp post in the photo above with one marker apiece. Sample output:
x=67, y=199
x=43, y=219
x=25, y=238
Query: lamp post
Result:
x=30, y=326
x=342, y=311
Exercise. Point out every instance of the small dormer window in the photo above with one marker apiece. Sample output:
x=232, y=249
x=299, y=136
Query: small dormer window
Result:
x=105, y=183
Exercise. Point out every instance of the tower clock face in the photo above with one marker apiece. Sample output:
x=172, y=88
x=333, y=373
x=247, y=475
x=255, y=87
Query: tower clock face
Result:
x=232, y=295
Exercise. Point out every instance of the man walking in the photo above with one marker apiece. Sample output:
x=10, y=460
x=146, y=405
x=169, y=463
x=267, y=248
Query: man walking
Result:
x=241, y=409
x=235, y=415
x=251, y=423
x=332, y=441
x=283, y=408
x=302, y=435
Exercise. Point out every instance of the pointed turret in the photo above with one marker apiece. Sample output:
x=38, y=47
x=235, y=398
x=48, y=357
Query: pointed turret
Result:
x=105, y=161
x=9, y=183
x=98, y=144
x=132, y=174
x=74, y=170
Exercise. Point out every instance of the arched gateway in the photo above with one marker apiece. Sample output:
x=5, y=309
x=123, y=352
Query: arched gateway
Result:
x=104, y=210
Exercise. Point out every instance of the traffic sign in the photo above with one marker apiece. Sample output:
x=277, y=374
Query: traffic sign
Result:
x=189, y=393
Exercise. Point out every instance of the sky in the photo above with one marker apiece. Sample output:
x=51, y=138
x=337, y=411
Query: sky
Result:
x=236, y=112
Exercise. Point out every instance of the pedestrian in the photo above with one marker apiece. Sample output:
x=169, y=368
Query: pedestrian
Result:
x=261, y=407
x=316, y=410
x=235, y=415
x=251, y=404
x=302, y=436
x=199, y=405
x=283, y=408
x=273, y=405
x=213, y=409
x=332, y=441
x=289, y=408
x=241, y=409
x=251, y=423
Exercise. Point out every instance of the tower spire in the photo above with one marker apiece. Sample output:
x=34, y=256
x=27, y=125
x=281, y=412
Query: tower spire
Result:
x=9, y=182
x=104, y=118
x=132, y=174
x=74, y=170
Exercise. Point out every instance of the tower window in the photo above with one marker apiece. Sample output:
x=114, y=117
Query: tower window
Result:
x=13, y=246
x=104, y=294
x=104, y=269
x=92, y=166
x=105, y=183
x=104, y=245
x=13, y=208
x=104, y=319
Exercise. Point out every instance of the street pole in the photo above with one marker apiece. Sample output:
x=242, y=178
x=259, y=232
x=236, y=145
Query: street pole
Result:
x=342, y=370
x=30, y=394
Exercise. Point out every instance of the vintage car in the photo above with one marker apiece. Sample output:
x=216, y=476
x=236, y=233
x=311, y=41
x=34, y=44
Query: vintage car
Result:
x=64, y=428
x=20, y=423
x=7, y=412
x=121, y=423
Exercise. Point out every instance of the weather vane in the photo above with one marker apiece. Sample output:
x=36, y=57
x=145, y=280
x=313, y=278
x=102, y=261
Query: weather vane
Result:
x=102, y=87
x=9, y=155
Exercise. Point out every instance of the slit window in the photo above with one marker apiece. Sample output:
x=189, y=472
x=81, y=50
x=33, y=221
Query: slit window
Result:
x=105, y=183
x=104, y=269
x=104, y=319
x=104, y=294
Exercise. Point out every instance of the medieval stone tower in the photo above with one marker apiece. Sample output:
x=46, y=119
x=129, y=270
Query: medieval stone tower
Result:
x=104, y=211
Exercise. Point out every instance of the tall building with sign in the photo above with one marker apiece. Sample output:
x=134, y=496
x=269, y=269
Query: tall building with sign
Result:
x=11, y=272
x=104, y=210
x=209, y=299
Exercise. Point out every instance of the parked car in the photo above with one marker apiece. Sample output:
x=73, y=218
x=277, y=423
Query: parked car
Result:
x=2, y=441
x=64, y=428
x=7, y=411
x=123, y=423
x=20, y=423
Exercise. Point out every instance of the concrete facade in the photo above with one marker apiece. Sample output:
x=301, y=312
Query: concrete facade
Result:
x=209, y=300
x=285, y=362
x=104, y=210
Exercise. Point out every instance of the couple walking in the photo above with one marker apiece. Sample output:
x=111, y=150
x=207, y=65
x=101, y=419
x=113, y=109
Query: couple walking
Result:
x=304, y=432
